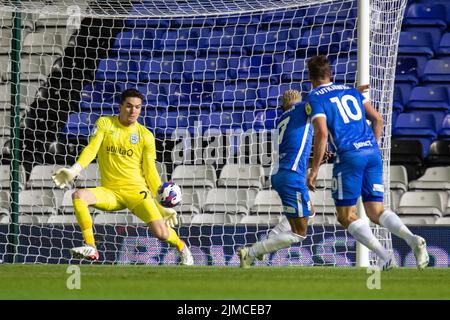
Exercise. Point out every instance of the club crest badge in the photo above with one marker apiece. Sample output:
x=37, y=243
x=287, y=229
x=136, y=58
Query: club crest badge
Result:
x=134, y=138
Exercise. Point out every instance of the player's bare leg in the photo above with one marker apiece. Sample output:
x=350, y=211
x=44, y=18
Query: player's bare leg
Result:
x=386, y=218
x=82, y=199
x=296, y=233
x=360, y=230
x=164, y=233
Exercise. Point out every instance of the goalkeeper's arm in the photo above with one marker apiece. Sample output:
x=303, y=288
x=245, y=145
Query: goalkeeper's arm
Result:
x=64, y=176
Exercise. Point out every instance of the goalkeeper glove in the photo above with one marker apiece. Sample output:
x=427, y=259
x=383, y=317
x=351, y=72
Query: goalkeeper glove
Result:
x=169, y=215
x=64, y=176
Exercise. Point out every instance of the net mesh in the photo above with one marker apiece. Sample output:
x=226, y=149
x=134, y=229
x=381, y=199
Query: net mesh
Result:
x=212, y=73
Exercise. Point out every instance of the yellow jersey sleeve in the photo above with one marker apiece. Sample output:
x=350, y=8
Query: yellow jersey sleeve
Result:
x=95, y=141
x=149, y=163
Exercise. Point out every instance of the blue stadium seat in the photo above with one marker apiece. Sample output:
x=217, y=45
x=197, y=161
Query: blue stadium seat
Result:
x=254, y=67
x=272, y=39
x=293, y=70
x=344, y=68
x=185, y=39
x=238, y=20
x=80, y=124
x=239, y=94
x=437, y=71
x=148, y=118
x=146, y=23
x=444, y=45
x=99, y=91
x=168, y=122
x=415, y=125
x=206, y=69
x=429, y=98
x=155, y=94
x=222, y=121
x=444, y=132
x=138, y=41
x=194, y=95
x=232, y=38
x=162, y=68
x=406, y=70
x=421, y=14
x=435, y=34
x=397, y=102
x=323, y=39
x=340, y=13
x=119, y=68
x=261, y=119
x=416, y=43
x=288, y=17
x=270, y=96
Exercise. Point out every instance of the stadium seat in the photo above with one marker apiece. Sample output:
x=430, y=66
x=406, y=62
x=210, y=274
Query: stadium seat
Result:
x=325, y=176
x=409, y=154
x=254, y=67
x=407, y=70
x=443, y=221
x=162, y=68
x=273, y=38
x=435, y=178
x=398, y=178
x=266, y=202
x=395, y=199
x=168, y=122
x=416, y=43
x=263, y=219
x=444, y=45
x=344, y=13
x=421, y=14
x=139, y=41
x=5, y=39
x=437, y=72
x=237, y=94
x=195, y=176
x=223, y=121
x=434, y=31
x=397, y=105
x=427, y=205
x=293, y=70
x=114, y=218
x=162, y=170
x=80, y=124
x=323, y=202
x=63, y=219
x=37, y=201
x=344, y=68
x=41, y=176
x=155, y=95
x=45, y=43
x=416, y=126
x=429, y=98
x=5, y=180
x=89, y=177
x=439, y=154
x=206, y=69
x=261, y=119
x=194, y=95
x=191, y=203
x=185, y=39
x=241, y=176
x=323, y=39
x=270, y=96
x=121, y=68
x=232, y=38
x=66, y=206
x=444, y=131
x=5, y=202
x=99, y=91
x=232, y=201
x=211, y=219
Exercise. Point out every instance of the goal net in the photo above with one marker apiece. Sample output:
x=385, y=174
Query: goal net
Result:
x=212, y=73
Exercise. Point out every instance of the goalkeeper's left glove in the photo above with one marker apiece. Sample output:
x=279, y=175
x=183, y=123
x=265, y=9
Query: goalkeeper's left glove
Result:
x=169, y=215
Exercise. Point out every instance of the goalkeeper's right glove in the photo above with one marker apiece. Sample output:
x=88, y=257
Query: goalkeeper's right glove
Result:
x=64, y=176
x=169, y=215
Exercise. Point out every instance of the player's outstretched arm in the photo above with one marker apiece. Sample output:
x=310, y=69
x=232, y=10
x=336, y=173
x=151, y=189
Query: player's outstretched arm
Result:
x=64, y=176
x=320, y=146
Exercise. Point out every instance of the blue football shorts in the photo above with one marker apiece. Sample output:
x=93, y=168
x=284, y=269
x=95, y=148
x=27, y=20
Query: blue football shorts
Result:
x=292, y=189
x=358, y=173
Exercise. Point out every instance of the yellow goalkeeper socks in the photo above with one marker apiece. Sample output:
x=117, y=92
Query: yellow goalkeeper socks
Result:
x=84, y=220
x=175, y=240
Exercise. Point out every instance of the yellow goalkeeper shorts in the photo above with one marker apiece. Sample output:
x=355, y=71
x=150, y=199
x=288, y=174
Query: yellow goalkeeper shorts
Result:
x=138, y=200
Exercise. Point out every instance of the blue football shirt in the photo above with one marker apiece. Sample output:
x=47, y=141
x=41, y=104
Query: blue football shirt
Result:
x=343, y=108
x=294, y=139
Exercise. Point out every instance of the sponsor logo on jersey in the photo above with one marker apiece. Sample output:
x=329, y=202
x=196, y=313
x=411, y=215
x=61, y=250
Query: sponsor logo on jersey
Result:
x=308, y=109
x=134, y=138
x=119, y=150
x=362, y=144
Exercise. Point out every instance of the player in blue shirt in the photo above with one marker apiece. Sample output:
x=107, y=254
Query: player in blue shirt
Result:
x=341, y=112
x=289, y=180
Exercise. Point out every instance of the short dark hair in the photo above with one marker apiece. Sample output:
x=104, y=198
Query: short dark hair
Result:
x=130, y=93
x=319, y=67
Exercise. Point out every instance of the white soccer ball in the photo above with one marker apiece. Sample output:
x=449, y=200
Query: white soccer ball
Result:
x=169, y=194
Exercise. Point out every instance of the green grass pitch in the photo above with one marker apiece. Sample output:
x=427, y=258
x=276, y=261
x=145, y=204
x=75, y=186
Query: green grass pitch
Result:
x=176, y=282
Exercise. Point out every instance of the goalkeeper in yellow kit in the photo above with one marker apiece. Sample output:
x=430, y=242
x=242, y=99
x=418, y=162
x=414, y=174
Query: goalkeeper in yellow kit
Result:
x=129, y=178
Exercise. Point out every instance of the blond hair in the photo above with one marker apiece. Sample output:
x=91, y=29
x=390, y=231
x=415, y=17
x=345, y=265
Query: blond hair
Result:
x=290, y=97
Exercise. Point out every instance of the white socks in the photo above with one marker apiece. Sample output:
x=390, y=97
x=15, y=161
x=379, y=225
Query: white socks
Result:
x=360, y=230
x=394, y=224
x=274, y=243
x=282, y=226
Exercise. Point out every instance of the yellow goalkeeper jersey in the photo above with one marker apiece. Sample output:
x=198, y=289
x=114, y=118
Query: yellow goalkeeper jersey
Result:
x=126, y=155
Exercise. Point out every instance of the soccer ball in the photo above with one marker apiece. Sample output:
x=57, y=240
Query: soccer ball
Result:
x=169, y=194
